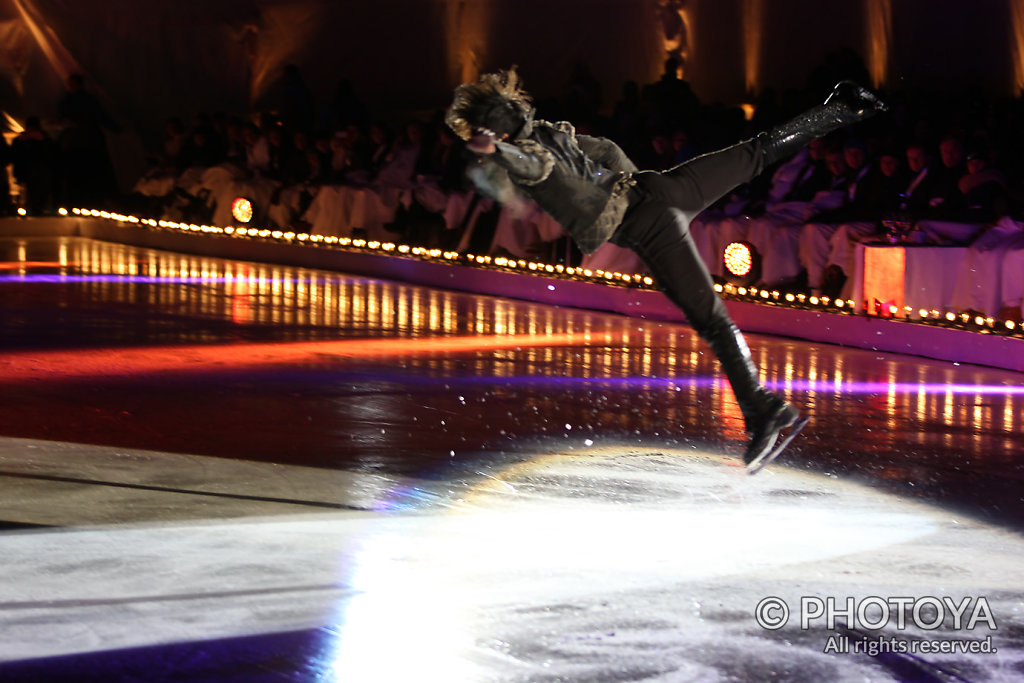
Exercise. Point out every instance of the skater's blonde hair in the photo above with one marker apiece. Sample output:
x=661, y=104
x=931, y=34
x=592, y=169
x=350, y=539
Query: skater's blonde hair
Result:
x=474, y=101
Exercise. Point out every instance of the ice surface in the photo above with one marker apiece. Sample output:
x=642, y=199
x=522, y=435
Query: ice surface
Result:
x=605, y=565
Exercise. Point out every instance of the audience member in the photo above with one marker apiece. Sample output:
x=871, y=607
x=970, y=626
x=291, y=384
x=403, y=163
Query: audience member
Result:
x=257, y=149
x=983, y=188
x=876, y=194
x=776, y=234
x=175, y=138
x=87, y=172
x=34, y=156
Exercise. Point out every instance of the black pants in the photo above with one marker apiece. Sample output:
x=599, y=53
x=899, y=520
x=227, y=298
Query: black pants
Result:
x=657, y=226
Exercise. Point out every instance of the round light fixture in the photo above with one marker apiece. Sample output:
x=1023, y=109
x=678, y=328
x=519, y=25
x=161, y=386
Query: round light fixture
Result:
x=241, y=209
x=742, y=263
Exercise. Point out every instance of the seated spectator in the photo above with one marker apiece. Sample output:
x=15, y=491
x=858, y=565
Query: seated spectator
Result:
x=320, y=160
x=360, y=147
x=983, y=188
x=297, y=162
x=234, y=142
x=298, y=171
x=220, y=185
x=370, y=200
x=208, y=126
x=165, y=189
x=175, y=138
x=440, y=181
x=943, y=221
x=932, y=192
x=775, y=235
x=874, y=193
x=797, y=179
x=257, y=149
x=929, y=193
x=278, y=150
x=339, y=161
x=401, y=162
x=378, y=149
x=859, y=185
x=201, y=150
x=954, y=166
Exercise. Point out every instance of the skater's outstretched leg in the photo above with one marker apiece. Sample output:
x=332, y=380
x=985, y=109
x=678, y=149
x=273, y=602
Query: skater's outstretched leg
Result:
x=698, y=183
x=848, y=104
x=660, y=236
x=695, y=185
x=656, y=227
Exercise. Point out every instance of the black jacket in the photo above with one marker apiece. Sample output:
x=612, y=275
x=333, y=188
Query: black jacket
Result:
x=581, y=181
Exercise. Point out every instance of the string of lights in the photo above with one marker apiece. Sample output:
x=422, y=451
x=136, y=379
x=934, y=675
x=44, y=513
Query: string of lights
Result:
x=961, y=320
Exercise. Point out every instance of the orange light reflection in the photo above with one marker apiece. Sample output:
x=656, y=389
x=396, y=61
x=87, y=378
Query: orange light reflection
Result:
x=18, y=265
x=131, y=362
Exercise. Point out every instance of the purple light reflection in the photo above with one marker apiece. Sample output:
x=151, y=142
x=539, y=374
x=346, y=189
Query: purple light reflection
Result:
x=157, y=279
x=810, y=386
x=896, y=387
x=708, y=381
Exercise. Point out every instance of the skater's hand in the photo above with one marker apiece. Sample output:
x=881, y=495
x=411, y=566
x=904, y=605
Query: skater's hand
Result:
x=482, y=141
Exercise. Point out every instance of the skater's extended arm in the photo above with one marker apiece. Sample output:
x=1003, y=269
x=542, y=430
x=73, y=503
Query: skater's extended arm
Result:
x=606, y=153
x=526, y=161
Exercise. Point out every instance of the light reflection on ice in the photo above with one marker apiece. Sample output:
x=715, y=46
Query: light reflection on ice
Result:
x=565, y=528
x=608, y=565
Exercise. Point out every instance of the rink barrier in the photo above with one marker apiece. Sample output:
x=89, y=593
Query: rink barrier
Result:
x=935, y=334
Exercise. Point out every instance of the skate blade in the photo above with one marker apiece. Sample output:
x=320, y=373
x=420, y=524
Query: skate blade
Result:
x=759, y=463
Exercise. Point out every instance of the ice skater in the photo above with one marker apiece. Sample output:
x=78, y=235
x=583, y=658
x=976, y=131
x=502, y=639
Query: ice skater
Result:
x=591, y=187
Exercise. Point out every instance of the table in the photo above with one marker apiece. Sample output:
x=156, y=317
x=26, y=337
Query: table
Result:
x=905, y=275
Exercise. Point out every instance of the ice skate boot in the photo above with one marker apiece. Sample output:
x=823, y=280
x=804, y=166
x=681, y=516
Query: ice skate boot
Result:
x=765, y=428
x=765, y=414
x=849, y=103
